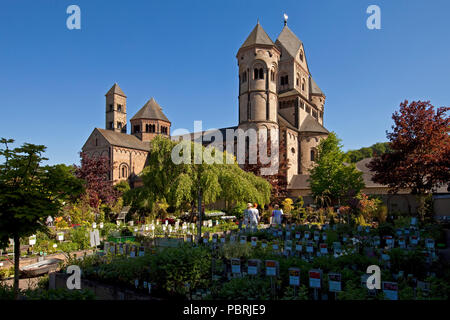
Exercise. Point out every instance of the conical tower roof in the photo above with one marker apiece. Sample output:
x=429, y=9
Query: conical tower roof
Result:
x=151, y=110
x=257, y=37
x=290, y=42
x=115, y=89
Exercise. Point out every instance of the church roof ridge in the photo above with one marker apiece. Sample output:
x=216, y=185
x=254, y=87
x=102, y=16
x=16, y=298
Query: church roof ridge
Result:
x=289, y=40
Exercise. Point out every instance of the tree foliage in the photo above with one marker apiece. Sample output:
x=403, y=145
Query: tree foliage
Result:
x=99, y=189
x=30, y=192
x=330, y=178
x=179, y=184
x=377, y=149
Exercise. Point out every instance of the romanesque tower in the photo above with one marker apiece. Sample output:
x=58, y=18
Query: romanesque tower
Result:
x=258, y=59
x=116, y=109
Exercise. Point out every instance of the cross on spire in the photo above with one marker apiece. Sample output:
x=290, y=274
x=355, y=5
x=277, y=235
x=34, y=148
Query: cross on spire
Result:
x=285, y=19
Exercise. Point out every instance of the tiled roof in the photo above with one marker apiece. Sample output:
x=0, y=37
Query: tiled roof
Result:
x=124, y=140
x=257, y=36
x=312, y=125
x=289, y=41
x=151, y=110
x=115, y=89
x=314, y=88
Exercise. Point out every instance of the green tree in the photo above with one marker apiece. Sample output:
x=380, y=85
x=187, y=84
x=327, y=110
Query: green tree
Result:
x=196, y=179
x=330, y=177
x=29, y=193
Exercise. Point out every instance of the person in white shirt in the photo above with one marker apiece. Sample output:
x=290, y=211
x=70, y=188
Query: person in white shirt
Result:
x=277, y=215
x=254, y=217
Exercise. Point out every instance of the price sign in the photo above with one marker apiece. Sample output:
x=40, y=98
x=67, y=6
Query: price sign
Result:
x=232, y=238
x=280, y=232
x=376, y=241
x=316, y=236
x=243, y=240
x=264, y=244
x=60, y=236
x=297, y=235
x=298, y=246
x=222, y=238
x=271, y=268
x=252, y=267
x=94, y=225
x=254, y=241
x=390, y=290
x=294, y=277
x=413, y=221
x=288, y=234
x=101, y=225
x=307, y=234
x=401, y=242
x=323, y=248
x=315, y=278
x=275, y=245
x=141, y=251
x=324, y=237
x=309, y=247
x=334, y=282
x=120, y=248
x=414, y=240
x=214, y=239
x=429, y=243
x=32, y=240
x=133, y=251
x=236, y=266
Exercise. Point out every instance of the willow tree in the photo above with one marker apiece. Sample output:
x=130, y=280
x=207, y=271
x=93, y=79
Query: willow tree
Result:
x=205, y=175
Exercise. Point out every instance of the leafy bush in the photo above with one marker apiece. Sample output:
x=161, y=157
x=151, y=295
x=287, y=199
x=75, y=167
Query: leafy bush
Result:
x=245, y=289
x=80, y=236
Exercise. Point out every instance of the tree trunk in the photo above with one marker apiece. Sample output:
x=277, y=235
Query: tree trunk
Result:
x=421, y=207
x=16, y=266
x=199, y=232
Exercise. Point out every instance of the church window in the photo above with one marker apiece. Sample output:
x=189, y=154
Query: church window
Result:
x=303, y=85
x=297, y=82
x=261, y=73
x=119, y=125
x=111, y=107
x=293, y=150
x=314, y=113
x=301, y=55
x=244, y=76
x=124, y=171
x=313, y=155
x=119, y=107
x=96, y=142
x=308, y=109
x=272, y=75
x=136, y=128
x=111, y=125
x=321, y=115
x=302, y=105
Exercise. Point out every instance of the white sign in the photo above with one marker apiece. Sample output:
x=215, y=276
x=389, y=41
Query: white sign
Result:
x=334, y=282
x=390, y=290
x=243, y=240
x=271, y=268
x=294, y=277
x=254, y=241
x=252, y=268
x=315, y=277
x=236, y=266
x=32, y=240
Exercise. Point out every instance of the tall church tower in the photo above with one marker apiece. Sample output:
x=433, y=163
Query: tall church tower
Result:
x=116, y=109
x=258, y=59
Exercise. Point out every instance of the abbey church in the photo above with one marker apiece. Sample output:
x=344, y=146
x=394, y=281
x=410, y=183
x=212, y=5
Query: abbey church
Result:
x=276, y=91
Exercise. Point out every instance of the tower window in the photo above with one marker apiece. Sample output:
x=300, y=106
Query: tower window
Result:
x=301, y=55
x=308, y=109
x=303, y=85
x=119, y=125
x=111, y=107
x=313, y=155
x=124, y=171
x=119, y=107
x=96, y=142
x=258, y=73
x=272, y=75
x=284, y=80
x=111, y=125
x=244, y=76
x=136, y=128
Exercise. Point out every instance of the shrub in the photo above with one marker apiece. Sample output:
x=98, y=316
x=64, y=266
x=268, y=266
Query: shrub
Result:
x=245, y=289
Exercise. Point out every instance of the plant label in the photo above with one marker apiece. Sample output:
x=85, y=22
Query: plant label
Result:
x=429, y=243
x=309, y=248
x=275, y=245
x=413, y=221
x=334, y=282
x=280, y=233
x=298, y=247
x=264, y=244
x=141, y=251
x=324, y=237
x=232, y=238
x=323, y=248
x=271, y=268
x=252, y=267
x=390, y=290
x=294, y=277
x=307, y=234
x=315, y=278
x=288, y=234
x=297, y=235
x=101, y=225
x=243, y=240
x=32, y=240
x=414, y=240
x=236, y=266
x=222, y=238
x=136, y=283
x=254, y=241
x=145, y=284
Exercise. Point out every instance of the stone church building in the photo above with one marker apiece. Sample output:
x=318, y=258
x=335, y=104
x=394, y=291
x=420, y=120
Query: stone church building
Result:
x=276, y=92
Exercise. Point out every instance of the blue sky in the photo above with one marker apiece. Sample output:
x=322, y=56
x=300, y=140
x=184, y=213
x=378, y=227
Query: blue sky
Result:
x=53, y=80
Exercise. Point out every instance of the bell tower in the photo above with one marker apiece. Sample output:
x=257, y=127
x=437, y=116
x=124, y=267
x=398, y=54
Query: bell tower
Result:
x=116, y=110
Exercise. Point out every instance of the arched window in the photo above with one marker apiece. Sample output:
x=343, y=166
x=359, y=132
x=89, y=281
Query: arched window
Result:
x=244, y=76
x=303, y=84
x=313, y=155
x=261, y=73
x=301, y=55
x=255, y=74
x=124, y=171
x=272, y=75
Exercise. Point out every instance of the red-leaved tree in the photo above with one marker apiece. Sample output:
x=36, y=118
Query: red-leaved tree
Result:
x=94, y=171
x=419, y=157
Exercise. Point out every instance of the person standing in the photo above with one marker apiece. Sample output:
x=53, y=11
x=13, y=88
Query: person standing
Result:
x=277, y=215
x=254, y=218
x=247, y=214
